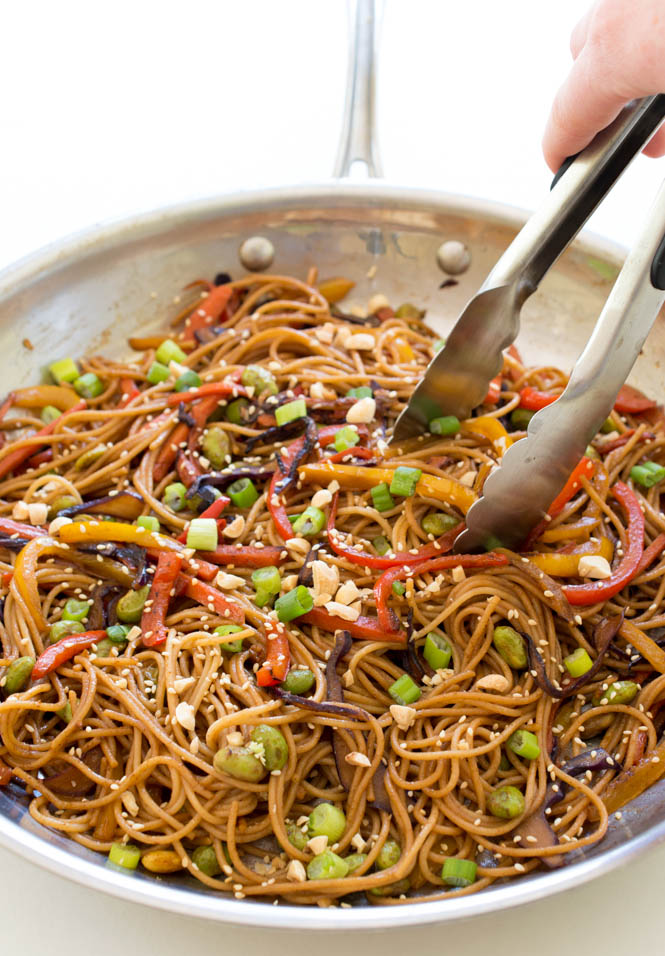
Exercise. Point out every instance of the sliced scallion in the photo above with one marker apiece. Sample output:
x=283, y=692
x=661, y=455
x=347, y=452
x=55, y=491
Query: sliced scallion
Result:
x=231, y=647
x=125, y=854
x=188, y=379
x=363, y=391
x=346, y=438
x=456, y=872
x=64, y=370
x=647, y=474
x=294, y=604
x=89, y=385
x=149, y=522
x=75, y=610
x=524, y=744
x=50, y=413
x=310, y=522
x=404, y=690
x=404, y=481
x=399, y=588
x=445, y=425
x=578, y=662
x=381, y=497
x=437, y=651
x=290, y=411
x=157, y=373
x=169, y=351
x=202, y=534
x=381, y=544
x=243, y=493
x=260, y=379
x=267, y=583
x=174, y=496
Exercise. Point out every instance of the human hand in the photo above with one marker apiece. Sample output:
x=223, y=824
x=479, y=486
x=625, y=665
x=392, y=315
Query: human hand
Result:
x=618, y=49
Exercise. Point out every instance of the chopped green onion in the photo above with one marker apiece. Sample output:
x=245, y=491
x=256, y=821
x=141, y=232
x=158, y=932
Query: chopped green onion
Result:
x=18, y=674
x=243, y=493
x=50, y=413
x=103, y=648
x=64, y=370
x=438, y=523
x=354, y=861
x=327, y=819
x=389, y=855
x=290, y=411
x=346, y=438
x=260, y=379
x=169, y=351
x=456, y=872
x=404, y=481
x=445, y=425
x=187, y=380
x=404, y=690
x=298, y=681
x=268, y=584
x=520, y=418
x=65, y=712
x=89, y=457
x=438, y=345
x=648, y=474
x=381, y=544
x=157, y=373
x=130, y=606
x=437, y=651
x=216, y=445
x=202, y=534
x=89, y=385
x=174, y=496
x=506, y=803
x=591, y=452
x=75, y=610
x=235, y=409
x=524, y=744
x=381, y=497
x=620, y=692
x=310, y=522
x=63, y=629
x=149, y=522
x=327, y=866
x=125, y=854
x=607, y=426
x=510, y=645
x=578, y=662
x=233, y=647
x=117, y=633
x=364, y=391
x=60, y=503
x=399, y=588
x=294, y=604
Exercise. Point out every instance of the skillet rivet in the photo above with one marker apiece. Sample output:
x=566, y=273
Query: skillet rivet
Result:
x=256, y=253
x=453, y=257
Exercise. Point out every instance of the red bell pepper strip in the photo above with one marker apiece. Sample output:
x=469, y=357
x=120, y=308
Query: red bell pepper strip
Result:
x=246, y=557
x=194, y=566
x=212, y=511
x=169, y=451
x=217, y=389
x=63, y=651
x=15, y=458
x=494, y=391
x=534, y=400
x=188, y=469
x=654, y=551
x=208, y=311
x=580, y=595
x=355, y=452
x=9, y=527
x=278, y=656
x=128, y=391
x=383, y=586
x=431, y=550
x=211, y=598
x=584, y=469
x=630, y=401
x=6, y=405
x=7, y=578
x=46, y=454
x=157, y=603
x=364, y=628
x=203, y=409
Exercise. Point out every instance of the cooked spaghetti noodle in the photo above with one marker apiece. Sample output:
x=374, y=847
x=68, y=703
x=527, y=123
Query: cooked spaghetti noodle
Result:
x=377, y=674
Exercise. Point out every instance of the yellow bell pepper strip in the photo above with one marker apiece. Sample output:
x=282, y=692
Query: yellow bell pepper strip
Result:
x=18, y=456
x=39, y=396
x=88, y=531
x=564, y=532
x=354, y=476
x=644, y=645
x=490, y=428
x=564, y=564
x=25, y=574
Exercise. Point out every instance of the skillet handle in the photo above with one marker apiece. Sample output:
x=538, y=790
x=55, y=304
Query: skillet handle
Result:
x=358, y=153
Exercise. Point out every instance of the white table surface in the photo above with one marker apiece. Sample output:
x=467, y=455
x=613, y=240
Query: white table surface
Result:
x=108, y=109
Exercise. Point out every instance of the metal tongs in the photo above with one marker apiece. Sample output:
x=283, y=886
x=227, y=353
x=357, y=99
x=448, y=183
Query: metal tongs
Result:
x=533, y=471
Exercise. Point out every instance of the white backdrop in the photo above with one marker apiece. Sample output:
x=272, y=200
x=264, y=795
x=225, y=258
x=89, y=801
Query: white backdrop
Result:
x=111, y=108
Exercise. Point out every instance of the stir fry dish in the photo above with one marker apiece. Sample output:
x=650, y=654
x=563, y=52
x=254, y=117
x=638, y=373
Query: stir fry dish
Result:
x=237, y=644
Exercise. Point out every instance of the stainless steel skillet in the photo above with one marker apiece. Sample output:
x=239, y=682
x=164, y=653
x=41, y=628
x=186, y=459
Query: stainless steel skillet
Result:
x=89, y=292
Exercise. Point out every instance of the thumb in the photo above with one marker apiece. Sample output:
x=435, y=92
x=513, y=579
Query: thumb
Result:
x=585, y=104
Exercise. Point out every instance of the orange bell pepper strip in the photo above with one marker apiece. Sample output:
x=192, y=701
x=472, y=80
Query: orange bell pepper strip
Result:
x=207, y=312
x=218, y=389
x=157, y=603
x=211, y=598
x=278, y=656
x=128, y=391
x=354, y=476
x=494, y=391
x=534, y=400
x=63, y=651
x=583, y=594
x=634, y=781
x=584, y=469
x=383, y=586
x=247, y=556
x=565, y=564
x=630, y=401
x=14, y=459
x=5, y=774
x=643, y=644
x=169, y=452
x=654, y=551
x=39, y=396
x=364, y=628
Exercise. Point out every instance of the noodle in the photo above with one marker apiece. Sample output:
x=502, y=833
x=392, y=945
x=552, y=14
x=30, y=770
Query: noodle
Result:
x=115, y=745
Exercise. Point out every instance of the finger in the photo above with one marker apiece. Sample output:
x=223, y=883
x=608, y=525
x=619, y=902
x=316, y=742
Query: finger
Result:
x=579, y=35
x=656, y=146
x=585, y=104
